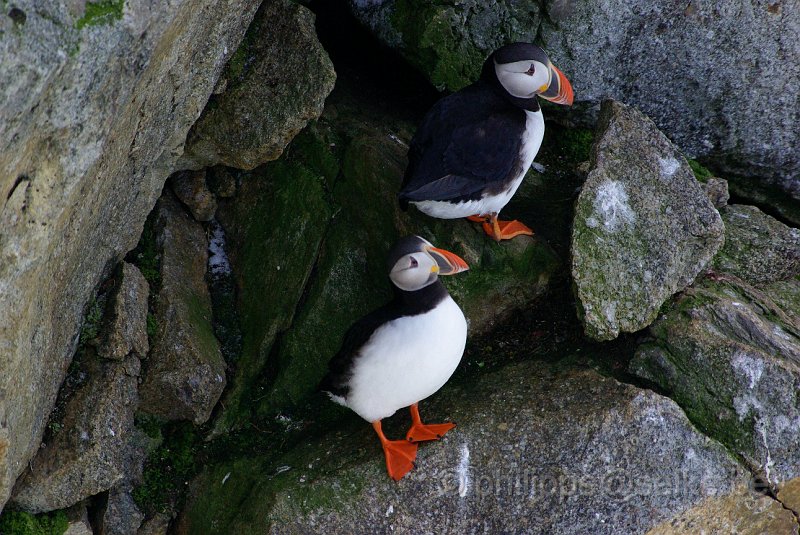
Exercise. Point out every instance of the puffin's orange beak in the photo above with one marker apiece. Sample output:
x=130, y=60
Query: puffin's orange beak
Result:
x=560, y=90
x=448, y=263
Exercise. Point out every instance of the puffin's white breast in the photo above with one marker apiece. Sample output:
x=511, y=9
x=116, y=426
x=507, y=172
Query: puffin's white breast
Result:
x=407, y=360
x=531, y=142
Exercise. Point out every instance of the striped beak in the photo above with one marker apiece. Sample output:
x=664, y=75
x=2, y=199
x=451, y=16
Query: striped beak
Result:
x=446, y=262
x=560, y=90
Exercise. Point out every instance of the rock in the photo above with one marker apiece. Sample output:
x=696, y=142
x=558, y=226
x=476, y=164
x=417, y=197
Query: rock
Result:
x=334, y=194
x=221, y=182
x=78, y=519
x=534, y=450
x=448, y=41
x=185, y=373
x=126, y=331
x=789, y=495
x=731, y=358
x=742, y=511
x=96, y=108
x=276, y=82
x=121, y=515
x=643, y=228
x=758, y=248
x=92, y=450
x=717, y=191
x=690, y=66
x=190, y=187
x=157, y=525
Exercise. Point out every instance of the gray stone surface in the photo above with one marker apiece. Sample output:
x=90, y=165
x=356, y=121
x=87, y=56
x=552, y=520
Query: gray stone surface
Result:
x=185, y=373
x=643, y=227
x=730, y=356
x=93, y=115
x=717, y=191
x=91, y=450
x=190, y=187
x=276, y=82
x=719, y=78
x=758, y=248
x=535, y=451
x=126, y=330
x=157, y=525
x=121, y=515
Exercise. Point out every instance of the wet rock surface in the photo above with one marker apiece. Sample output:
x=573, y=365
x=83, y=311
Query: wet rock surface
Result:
x=94, y=112
x=534, y=450
x=643, y=227
x=184, y=375
x=275, y=83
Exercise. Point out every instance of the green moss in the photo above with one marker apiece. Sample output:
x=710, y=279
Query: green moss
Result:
x=574, y=144
x=294, y=191
x=22, y=523
x=168, y=468
x=431, y=46
x=100, y=12
x=701, y=173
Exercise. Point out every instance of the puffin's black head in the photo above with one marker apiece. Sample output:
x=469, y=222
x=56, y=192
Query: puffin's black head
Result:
x=523, y=70
x=414, y=263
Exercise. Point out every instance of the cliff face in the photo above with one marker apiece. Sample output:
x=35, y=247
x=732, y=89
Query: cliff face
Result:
x=95, y=104
x=590, y=397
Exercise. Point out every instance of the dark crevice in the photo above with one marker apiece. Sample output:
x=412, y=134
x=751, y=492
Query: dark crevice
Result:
x=764, y=207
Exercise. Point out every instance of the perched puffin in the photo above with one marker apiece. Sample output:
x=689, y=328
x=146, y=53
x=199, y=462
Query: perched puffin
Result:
x=474, y=147
x=404, y=351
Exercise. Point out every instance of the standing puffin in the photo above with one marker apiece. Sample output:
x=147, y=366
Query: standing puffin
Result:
x=474, y=147
x=404, y=351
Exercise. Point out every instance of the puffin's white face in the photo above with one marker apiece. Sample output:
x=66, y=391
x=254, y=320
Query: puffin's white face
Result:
x=414, y=271
x=524, y=79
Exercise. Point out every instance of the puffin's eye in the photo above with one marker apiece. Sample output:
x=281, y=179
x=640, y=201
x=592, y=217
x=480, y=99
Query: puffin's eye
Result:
x=413, y=263
x=531, y=70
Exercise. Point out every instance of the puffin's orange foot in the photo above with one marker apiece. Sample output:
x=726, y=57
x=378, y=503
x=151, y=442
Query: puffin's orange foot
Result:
x=400, y=456
x=512, y=229
x=421, y=432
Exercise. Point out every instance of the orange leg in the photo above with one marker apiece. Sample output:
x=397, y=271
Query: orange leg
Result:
x=501, y=230
x=399, y=454
x=420, y=432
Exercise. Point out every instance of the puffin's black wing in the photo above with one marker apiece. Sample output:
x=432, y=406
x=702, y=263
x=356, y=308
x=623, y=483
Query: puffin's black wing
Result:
x=467, y=143
x=356, y=337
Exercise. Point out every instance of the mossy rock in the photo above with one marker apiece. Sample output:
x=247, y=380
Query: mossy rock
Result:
x=275, y=228
x=339, y=217
x=525, y=424
x=730, y=356
x=448, y=40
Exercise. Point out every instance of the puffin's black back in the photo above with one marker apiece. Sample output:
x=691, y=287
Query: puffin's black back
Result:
x=468, y=143
x=404, y=304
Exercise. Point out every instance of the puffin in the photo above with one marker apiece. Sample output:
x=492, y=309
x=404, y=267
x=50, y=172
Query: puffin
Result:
x=404, y=351
x=473, y=147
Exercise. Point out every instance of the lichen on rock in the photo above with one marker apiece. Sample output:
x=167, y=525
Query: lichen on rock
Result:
x=643, y=228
